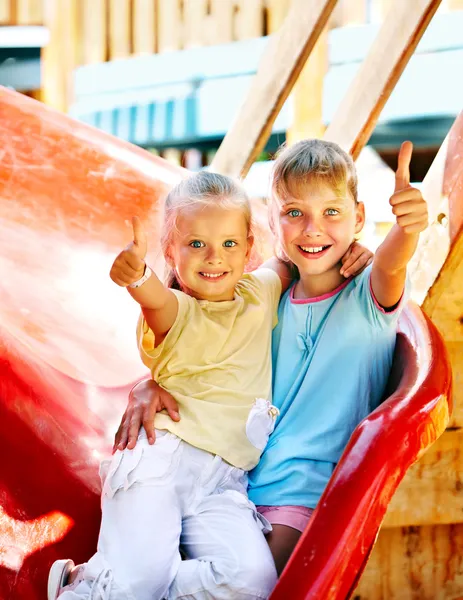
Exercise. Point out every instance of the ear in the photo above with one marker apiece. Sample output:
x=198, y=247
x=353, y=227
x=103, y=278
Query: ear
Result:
x=359, y=217
x=250, y=246
x=168, y=258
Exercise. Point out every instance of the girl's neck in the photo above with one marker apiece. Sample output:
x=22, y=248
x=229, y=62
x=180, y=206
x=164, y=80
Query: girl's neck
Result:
x=312, y=286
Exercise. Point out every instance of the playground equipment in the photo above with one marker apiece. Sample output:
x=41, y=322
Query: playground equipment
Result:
x=66, y=365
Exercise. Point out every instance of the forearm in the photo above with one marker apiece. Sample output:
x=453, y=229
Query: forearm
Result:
x=151, y=295
x=394, y=254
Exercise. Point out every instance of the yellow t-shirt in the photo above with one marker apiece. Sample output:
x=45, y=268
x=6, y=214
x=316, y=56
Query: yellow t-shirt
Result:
x=216, y=362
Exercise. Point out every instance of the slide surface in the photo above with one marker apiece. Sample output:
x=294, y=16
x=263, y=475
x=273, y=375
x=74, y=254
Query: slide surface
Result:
x=68, y=359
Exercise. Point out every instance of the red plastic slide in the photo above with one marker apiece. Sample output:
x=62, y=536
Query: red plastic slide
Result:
x=68, y=358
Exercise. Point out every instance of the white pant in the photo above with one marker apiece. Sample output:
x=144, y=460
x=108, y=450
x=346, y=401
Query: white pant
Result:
x=158, y=498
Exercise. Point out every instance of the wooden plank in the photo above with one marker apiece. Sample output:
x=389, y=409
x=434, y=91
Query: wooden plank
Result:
x=444, y=305
x=277, y=11
x=144, y=26
x=194, y=31
x=307, y=96
x=279, y=68
x=94, y=31
x=431, y=492
x=249, y=19
x=359, y=110
x=29, y=12
x=219, y=27
x=437, y=275
x=60, y=54
x=120, y=35
x=415, y=563
x=5, y=12
x=169, y=25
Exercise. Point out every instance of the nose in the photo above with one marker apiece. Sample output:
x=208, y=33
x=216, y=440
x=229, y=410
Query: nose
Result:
x=312, y=226
x=214, y=256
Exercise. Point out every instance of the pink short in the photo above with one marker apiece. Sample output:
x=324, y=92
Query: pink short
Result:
x=296, y=517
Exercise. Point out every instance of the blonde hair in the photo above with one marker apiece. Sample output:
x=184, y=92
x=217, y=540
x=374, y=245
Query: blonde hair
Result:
x=305, y=162
x=202, y=189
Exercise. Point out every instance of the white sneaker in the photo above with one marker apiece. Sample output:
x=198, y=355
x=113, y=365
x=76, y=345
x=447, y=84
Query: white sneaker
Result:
x=58, y=577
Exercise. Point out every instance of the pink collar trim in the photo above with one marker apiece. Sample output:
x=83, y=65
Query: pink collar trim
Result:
x=317, y=298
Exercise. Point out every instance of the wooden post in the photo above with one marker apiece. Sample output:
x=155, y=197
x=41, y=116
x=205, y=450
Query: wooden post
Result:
x=194, y=32
x=144, y=26
x=5, y=12
x=249, y=19
x=120, y=37
x=94, y=31
x=359, y=111
x=220, y=28
x=277, y=73
x=60, y=55
x=29, y=12
x=170, y=25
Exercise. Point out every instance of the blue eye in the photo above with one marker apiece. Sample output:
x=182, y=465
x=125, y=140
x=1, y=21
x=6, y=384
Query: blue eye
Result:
x=331, y=212
x=229, y=244
x=196, y=244
x=294, y=212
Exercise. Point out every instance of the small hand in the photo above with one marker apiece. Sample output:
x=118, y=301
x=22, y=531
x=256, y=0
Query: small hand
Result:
x=408, y=205
x=145, y=400
x=355, y=260
x=129, y=265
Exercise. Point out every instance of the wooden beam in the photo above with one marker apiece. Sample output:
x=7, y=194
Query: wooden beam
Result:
x=279, y=68
x=436, y=275
x=29, y=12
x=5, y=12
x=120, y=42
x=249, y=22
x=144, y=26
x=415, y=563
x=94, y=31
x=359, y=110
x=60, y=54
x=431, y=492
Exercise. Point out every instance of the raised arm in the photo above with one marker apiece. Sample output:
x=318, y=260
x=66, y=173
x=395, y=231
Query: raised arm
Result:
x=392, y=257
x=159, y=304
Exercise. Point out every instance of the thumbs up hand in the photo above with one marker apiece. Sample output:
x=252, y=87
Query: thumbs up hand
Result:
x=129, y=265
x=408, y=205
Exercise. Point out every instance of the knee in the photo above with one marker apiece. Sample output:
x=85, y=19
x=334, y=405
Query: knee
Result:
x=254, y=579
x=150, y=580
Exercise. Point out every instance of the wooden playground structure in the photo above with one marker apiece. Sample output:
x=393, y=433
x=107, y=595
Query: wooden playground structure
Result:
x=418, y=554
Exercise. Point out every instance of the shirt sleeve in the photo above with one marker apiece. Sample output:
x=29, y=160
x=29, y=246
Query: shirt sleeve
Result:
x=375, y=314
x=149, y=352
x=270, y=285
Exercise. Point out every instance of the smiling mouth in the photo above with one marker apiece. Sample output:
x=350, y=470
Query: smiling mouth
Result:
x=213, y=276
x=313, y=249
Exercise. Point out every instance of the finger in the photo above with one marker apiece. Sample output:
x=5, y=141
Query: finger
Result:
x=402, y=175
x=412, y=207
x=417, y=227
x=355, y=267
x=134, y=428
x=405, y=195
x=132, y=259
x=120, y=439
x=346, y=256
x=170, y=404
x=410, y=220
x=139, y=237
x=148, y=421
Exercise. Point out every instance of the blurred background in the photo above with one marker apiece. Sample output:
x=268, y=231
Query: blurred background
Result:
x=170, y=76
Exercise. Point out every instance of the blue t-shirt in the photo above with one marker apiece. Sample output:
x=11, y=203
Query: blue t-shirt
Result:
x=331, y=361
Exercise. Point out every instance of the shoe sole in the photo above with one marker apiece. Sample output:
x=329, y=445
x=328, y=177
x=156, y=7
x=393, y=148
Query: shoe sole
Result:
x=59, y=572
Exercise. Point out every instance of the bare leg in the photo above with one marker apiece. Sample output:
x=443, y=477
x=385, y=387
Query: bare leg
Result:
x=282, y=541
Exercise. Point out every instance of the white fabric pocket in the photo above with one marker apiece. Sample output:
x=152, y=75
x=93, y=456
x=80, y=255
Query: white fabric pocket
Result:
x=261, y=422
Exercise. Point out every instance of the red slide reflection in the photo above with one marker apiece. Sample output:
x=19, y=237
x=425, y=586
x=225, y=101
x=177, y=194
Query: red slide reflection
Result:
x=68, y=359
